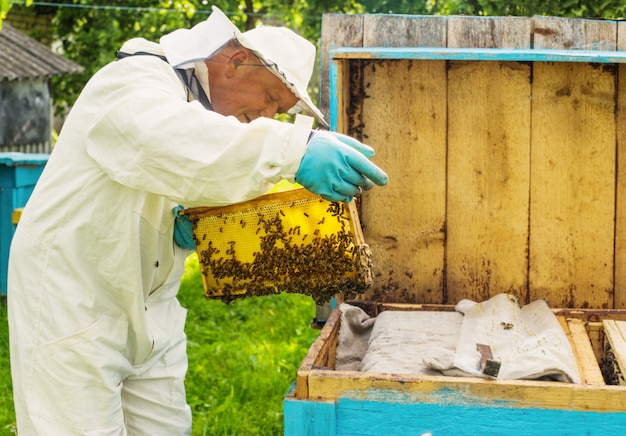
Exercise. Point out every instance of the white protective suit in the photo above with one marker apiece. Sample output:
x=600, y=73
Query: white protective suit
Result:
x=94, y=271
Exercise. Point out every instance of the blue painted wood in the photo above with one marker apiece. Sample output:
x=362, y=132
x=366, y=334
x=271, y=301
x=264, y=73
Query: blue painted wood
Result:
x=351, y=417
x=461, y=54
x=19, y=173
x=356, y=417
x=309, y=418
x=333, y=101
x=482, y=54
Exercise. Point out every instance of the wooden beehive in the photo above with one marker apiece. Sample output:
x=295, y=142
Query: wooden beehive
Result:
x=503, y=139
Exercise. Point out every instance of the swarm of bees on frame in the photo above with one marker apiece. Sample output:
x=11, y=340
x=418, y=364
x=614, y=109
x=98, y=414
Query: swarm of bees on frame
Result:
x=319, y=264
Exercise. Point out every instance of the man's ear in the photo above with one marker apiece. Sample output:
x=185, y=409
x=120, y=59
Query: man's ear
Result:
x=235, y=59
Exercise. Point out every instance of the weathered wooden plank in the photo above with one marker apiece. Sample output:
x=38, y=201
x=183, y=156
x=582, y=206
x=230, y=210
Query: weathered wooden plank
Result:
x=481, y=54
x=406, y=109
x=615, y=332
x=404, y=117
x=574, y=34
x=319, y=353
x=404, y=31
x=408, y=260
x=465, y=391
x=488, y=179
x=573, y=163
x=620, y=212
x=489, y=32
x=338, y=30
x=588, y=366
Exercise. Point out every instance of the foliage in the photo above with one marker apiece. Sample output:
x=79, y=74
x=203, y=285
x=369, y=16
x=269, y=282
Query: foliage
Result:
x=243, y=358
x=7, y=414
x=90, y=33
x=5, y=6
x=561, y=8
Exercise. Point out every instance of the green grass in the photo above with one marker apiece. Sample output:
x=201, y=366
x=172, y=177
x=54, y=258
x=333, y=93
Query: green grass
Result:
x=7, y=414
x=243, y=358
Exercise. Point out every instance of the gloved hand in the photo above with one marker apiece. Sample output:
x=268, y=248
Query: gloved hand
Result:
x=337, y=167
x=183, y=230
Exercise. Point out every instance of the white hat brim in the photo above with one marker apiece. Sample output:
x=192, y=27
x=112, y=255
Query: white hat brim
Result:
x=183, y=47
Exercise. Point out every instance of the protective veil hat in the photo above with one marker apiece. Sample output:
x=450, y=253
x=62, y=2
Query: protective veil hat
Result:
x=286, y=54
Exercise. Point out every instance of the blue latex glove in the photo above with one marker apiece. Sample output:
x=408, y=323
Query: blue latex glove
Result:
x=337, y=167
x=183, y=230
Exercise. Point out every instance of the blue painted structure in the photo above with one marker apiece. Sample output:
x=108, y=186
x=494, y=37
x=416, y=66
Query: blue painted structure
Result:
x=19, y=173
x=460, y=54
x=393, y=415
x=392, y=411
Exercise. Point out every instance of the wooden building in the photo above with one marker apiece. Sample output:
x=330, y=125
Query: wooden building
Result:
x=26, y=113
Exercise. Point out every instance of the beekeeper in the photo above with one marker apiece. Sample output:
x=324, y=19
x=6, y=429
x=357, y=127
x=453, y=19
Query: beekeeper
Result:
x=97, y=340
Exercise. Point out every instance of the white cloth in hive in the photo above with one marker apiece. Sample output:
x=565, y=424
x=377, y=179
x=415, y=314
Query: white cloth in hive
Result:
x=395, y=341
x=404, y=342
x=529, y=341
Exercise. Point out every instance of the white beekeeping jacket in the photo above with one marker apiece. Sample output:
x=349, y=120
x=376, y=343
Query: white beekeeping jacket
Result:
x=99, y=227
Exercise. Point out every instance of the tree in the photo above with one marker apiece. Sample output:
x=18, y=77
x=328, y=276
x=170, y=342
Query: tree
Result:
x=90, y=32
x=5, y=6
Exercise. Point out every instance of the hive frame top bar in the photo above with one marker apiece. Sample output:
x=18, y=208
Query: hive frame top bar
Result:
x=480, y=54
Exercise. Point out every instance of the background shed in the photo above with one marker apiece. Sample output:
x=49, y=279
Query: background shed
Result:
x=26, y=67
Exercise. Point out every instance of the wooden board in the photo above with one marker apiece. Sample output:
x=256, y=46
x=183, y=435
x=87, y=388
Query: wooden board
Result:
x=325, y=385
x=410, y=260
x=590, y=373
x=615, y=332
x=573, y=34
x=620, y=212
x=488, y=179
x=321, y=354
x=404, y=31
x=562, y=236
x=337, y=31
x=572, y=191
x=406, y=119
x=489, y=32
x=390, y=412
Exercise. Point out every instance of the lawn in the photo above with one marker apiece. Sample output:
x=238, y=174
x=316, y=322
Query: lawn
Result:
x=243, y=358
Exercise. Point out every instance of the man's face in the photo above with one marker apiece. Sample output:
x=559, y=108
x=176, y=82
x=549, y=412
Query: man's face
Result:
x=247, y=90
